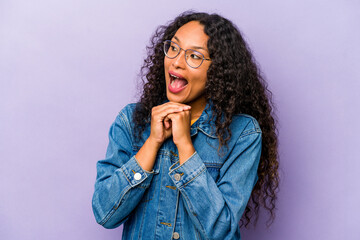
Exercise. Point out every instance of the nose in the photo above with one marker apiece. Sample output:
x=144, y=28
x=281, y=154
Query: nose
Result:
x=179, y=61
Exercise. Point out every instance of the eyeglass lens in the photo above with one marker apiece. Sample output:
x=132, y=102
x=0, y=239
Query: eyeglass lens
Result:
x=193, y=58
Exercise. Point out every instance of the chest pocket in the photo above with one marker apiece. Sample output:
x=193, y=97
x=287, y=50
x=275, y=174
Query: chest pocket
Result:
x=208, y=152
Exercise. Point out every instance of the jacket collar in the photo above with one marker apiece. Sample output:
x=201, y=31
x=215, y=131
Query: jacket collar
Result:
x=205, y=123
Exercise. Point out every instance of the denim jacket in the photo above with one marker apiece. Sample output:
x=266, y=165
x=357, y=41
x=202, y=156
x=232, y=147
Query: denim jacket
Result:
x=204, y=198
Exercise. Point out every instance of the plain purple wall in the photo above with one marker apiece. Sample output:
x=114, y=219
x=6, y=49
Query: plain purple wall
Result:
x=67, y=67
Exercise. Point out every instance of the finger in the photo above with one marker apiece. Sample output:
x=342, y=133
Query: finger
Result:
x=174, y=116
x=183, y=116
x=182, y=113
x=167, y=123
x=173, y=105
x=161, y=113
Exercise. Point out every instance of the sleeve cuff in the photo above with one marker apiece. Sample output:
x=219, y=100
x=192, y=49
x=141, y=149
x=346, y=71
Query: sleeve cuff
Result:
x=188, y=171
x=134, y=172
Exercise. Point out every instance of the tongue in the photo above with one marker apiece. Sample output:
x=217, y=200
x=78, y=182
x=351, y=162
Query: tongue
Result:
x=179, y=83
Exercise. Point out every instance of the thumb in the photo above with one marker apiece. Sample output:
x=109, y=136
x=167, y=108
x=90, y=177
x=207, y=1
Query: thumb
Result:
x=167, y=123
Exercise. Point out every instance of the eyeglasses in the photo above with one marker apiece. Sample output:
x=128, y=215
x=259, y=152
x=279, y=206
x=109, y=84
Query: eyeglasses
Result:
x=193, y=58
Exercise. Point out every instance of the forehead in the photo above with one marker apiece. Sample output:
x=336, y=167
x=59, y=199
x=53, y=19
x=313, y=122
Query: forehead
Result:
x=191, y=34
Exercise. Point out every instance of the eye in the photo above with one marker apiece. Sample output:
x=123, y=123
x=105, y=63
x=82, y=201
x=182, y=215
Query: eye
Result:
x=196, y=56
x=173, y=48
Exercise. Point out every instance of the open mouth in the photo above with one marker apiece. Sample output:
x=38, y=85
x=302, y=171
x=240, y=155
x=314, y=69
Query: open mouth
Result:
x=177, y=83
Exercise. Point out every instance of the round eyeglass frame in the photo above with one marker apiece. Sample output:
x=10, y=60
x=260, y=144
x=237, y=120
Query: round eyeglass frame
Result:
x=185, y=50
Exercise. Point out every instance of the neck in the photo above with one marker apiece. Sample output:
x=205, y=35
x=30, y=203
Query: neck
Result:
x=197, y=107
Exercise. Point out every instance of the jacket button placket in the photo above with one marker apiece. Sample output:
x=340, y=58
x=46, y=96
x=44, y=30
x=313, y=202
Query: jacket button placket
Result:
x=168, y=204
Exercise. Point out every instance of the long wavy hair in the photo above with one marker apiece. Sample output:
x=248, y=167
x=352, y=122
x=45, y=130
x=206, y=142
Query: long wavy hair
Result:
x=234, y=85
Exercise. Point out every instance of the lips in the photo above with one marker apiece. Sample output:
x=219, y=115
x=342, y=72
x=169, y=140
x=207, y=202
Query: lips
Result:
x=177, y=82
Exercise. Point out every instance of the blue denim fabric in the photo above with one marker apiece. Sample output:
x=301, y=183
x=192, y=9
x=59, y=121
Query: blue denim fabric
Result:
x=204, y=198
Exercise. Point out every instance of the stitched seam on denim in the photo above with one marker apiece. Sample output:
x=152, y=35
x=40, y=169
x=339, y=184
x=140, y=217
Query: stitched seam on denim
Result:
x=151, y=195
x=127, y=124
x=185, y=184
x=192, y=210
x=214, y=165
x=107, y=217
x=254, y=128
x=256, y=124
x=125, y=175
x=250, y=130
x=196, y=131
x=252, y=121
x=208, y=141
x=152, y=171
x=114, y=208
x=197, y=234
x=207, y=134
x=241, y=136
x=179, y=217
x=157, y=212
x=247, y=131
x=122, y=196
x=248, y=134
x=183, y=163
x=170, y=168
x=134, y=221
x=142, y=220
x=136, y=183
x=176, y=209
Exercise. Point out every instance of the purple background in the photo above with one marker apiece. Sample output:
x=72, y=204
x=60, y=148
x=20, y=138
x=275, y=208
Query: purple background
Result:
x=68, y=67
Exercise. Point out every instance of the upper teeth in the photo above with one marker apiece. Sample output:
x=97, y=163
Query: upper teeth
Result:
x=174, y=76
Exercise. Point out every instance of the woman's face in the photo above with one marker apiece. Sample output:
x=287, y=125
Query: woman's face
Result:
x=189, y=83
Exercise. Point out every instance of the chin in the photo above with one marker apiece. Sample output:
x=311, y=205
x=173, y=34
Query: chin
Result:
x=175, y=99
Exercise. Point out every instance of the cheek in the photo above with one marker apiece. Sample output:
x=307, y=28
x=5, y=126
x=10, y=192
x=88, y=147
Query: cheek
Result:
x=203, y=79
x=166, y=63
x=199, y=85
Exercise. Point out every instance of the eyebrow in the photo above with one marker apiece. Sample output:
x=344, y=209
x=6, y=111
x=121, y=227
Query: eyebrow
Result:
x=193, y=47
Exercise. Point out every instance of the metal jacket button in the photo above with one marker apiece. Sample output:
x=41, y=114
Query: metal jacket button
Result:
x=137, y=176
x=177, y=177
x=176, y=235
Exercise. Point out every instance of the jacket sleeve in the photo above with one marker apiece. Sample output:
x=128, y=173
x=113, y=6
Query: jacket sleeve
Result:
x=120, y=182
x=216, y=208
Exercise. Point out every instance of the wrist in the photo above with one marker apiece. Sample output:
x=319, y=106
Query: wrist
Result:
x=185, y=151
x=153, y=143
x=185, y=146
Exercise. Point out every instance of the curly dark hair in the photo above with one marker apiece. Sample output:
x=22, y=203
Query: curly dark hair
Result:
x=234, y=85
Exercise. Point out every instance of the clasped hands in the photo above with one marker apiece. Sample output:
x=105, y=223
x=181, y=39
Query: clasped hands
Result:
x=173, y=119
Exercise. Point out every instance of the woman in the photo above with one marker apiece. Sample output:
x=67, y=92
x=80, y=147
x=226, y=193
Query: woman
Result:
x=184, y=162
